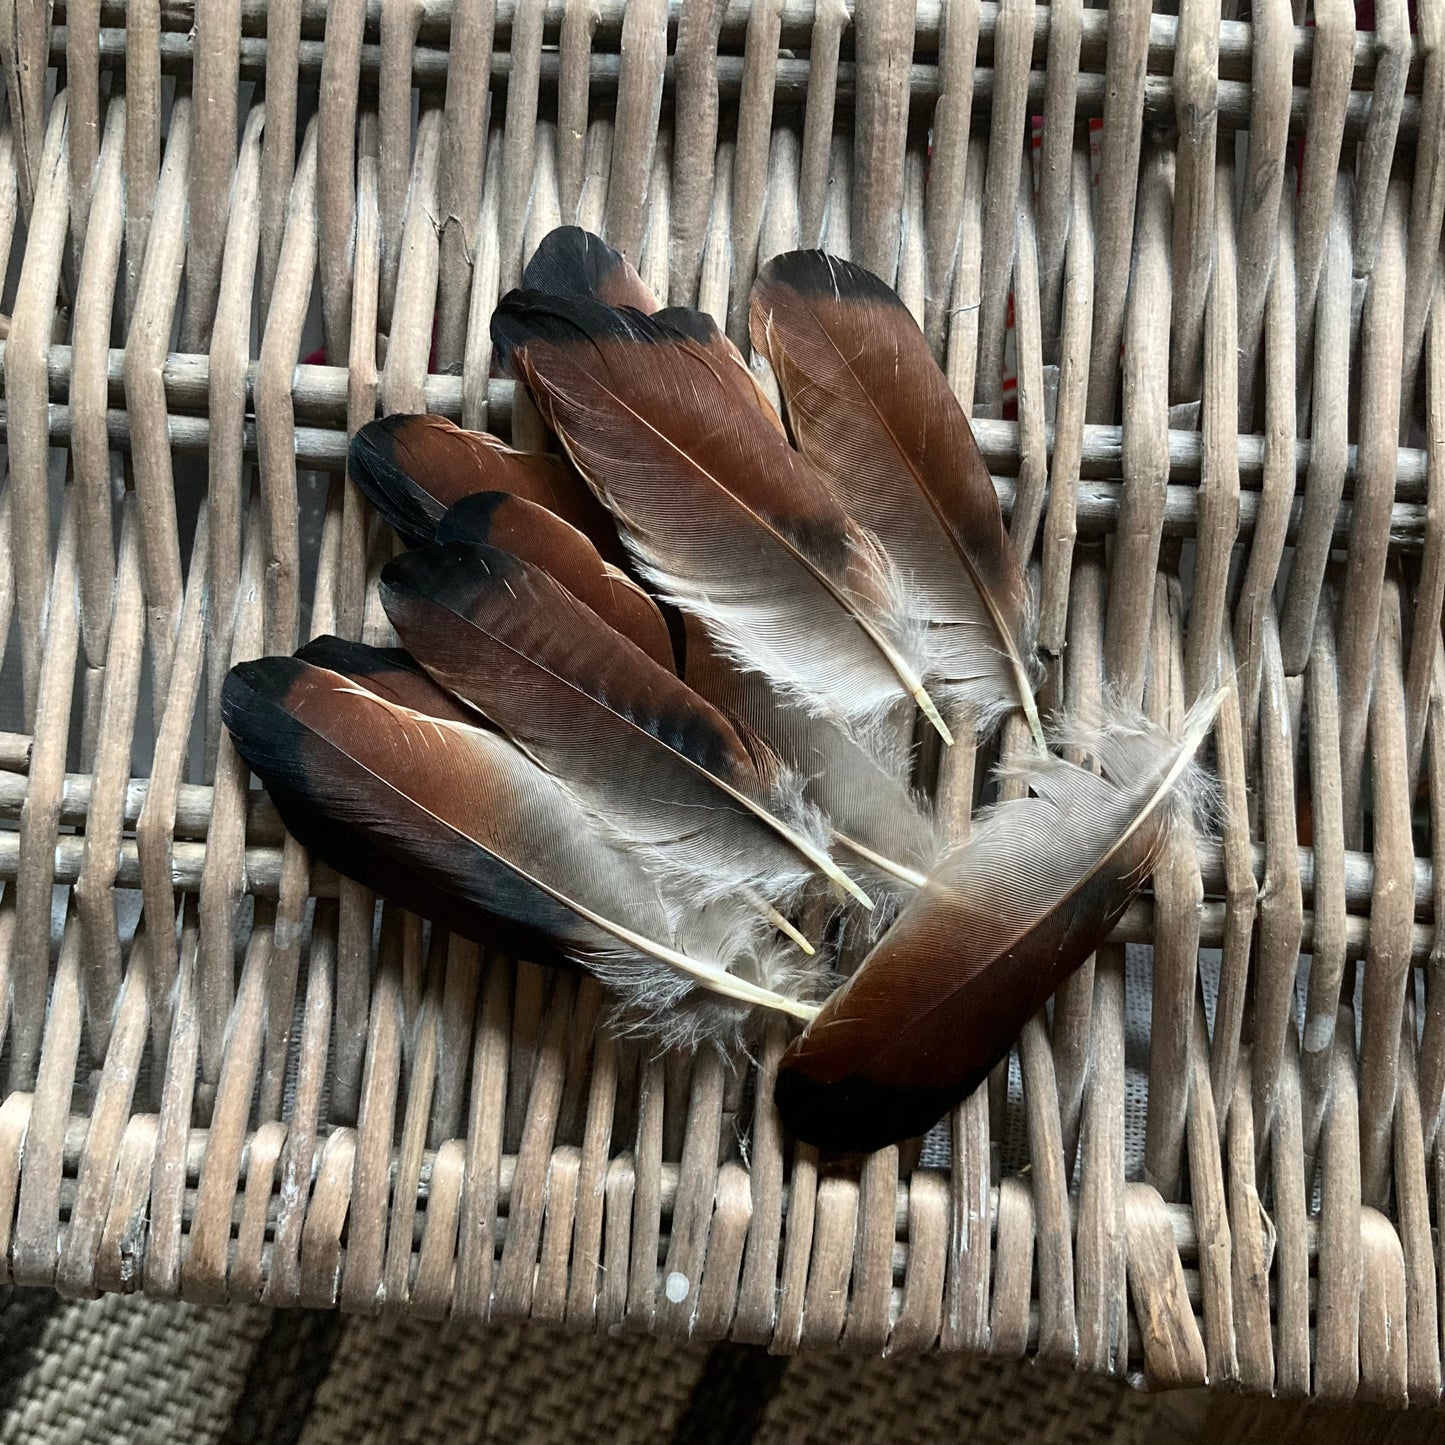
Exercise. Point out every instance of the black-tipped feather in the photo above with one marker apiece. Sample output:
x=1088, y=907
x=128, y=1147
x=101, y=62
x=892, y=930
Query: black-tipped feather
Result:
x=515, y=525
x=729, y=522
x=389, y=672
x=273, y=744
x=571, y=262
x=642, y=751
x=1002, y=921
x=869, y=407
x=466, y=811
x=413, y=468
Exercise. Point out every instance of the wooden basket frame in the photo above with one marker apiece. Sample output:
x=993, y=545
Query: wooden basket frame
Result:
x=1221, y=283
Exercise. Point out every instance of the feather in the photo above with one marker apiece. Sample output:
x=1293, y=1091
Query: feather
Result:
x=353, y=853
x=470, y=813
x=412, y=468
x=389, y=672
x=1003, y=920
x=732, y=365
x=392, y=674
x=632, y=742
x=727, y=521
x=870, y=409
x=571, y=262
x=538, y=536
x=861, y=789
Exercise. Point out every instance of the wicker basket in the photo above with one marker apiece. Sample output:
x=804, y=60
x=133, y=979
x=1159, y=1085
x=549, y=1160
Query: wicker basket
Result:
x=1212, y=1160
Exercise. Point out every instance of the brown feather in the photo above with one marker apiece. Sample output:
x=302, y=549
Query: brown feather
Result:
x=1003, y=920
x=633, y=742
x=467, y=812
x=571, y=262
x=869, y=407
x=390, y=673
x=730, y=522
x=540, y=537
x=413, y=468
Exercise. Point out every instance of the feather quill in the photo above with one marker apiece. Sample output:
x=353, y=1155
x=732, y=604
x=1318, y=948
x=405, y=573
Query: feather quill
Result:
x=1003, y=920
x=728, y=522
x=863, y=791
x=532, y=533
x=470, y=813
x=638, y=747
x=413, y=468
x=870, y=409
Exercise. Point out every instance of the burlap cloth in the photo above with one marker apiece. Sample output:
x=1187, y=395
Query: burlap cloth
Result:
x=131, y=1370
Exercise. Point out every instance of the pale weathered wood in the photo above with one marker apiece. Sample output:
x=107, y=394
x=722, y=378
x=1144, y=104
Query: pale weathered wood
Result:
x=1272, y=56
x=90, y=355
x=1330, y=326
x=402, y=1120
x=459, y=179
x=1173, y=1350
x=1280, y=907
x=1196, y=93
x=952, y=119
x=1118, y=185
x=1061, y=522
x=696, y=112
x=1056, y=163
x=26, y=395
x=40, y=817
x=1219, y=1257
x=1386, y=969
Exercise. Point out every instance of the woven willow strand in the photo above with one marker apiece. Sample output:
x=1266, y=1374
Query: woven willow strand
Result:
x=256, y=1094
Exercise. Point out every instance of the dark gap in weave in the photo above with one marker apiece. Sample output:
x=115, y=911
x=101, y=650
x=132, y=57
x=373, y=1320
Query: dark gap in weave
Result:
x=730, y=1395
x=292, y=1359
x=23, y=1317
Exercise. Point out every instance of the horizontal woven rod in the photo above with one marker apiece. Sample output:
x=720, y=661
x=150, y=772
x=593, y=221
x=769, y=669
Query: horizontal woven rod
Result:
x=430, y=65
x=796, y=19
x=319, y=393
x=263, y=878
x=77, y=1132
x=1097, y=502
x=898, y=1267
x=194, y=802
x=264, y=829
x=15, y=751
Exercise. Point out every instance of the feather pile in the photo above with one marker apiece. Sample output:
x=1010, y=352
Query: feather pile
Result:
x=654, y=706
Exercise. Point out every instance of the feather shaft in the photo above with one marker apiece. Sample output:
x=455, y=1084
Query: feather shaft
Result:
x=904, y=874
x=998, y=925
x=871, y=410
x=636, y=743
x=728, y=521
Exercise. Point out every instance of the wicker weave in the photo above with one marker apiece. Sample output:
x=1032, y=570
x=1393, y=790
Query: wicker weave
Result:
x=252, y=1097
